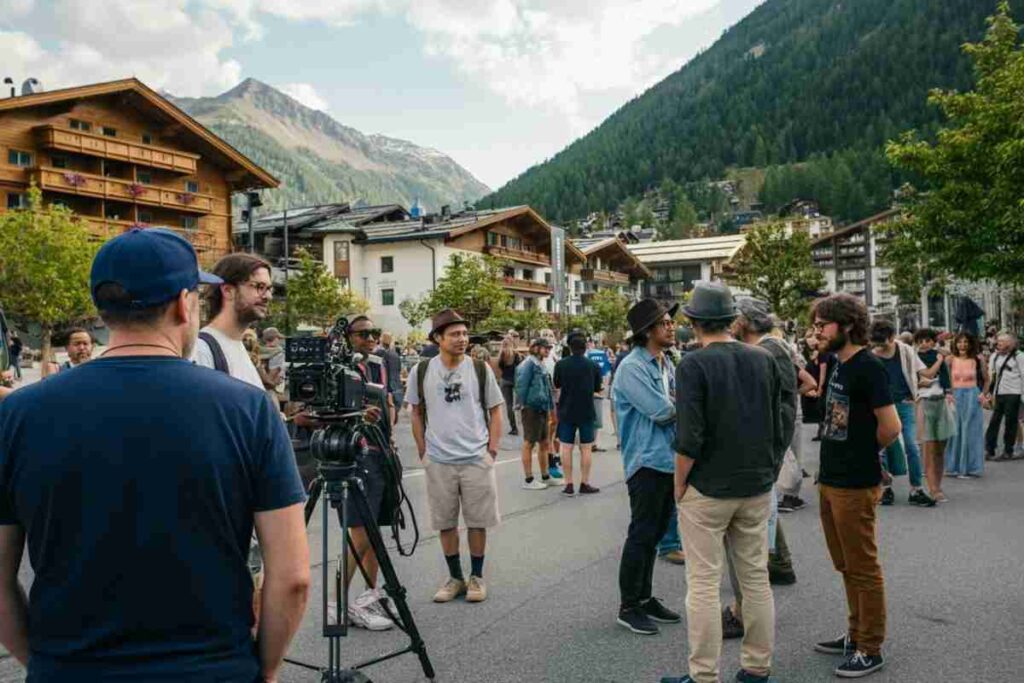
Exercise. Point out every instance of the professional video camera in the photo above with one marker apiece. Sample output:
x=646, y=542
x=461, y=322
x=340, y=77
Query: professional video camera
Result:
x=323, y=374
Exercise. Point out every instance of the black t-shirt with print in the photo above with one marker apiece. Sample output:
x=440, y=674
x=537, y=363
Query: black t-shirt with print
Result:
x=849, y=446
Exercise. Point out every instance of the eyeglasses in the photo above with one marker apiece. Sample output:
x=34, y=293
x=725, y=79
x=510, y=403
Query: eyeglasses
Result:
x=260, y=287
x=366, y=334
x=819, y=325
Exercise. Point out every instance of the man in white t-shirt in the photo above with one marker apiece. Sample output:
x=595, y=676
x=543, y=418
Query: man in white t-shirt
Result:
x=242, y=300
x=457, y=432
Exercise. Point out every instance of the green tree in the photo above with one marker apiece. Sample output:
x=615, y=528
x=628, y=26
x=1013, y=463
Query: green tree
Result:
x=970, y=221
x=777, y=268
x=471, y=285
x=528, y=322
x=415, y=311
x=45, y=258
x=315, y=296
x=607, y=313
x=682, y=223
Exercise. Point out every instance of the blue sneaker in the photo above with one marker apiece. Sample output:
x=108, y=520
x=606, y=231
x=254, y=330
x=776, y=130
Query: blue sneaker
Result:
x=557, y=476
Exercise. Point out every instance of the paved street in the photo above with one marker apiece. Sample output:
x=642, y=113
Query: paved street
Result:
x=953, y=574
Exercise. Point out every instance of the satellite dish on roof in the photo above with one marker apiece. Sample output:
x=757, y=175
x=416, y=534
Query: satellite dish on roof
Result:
x=31, y=86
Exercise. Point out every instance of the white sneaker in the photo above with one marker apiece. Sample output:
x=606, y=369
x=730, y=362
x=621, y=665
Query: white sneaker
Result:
x=364, y=612
x=535, y=485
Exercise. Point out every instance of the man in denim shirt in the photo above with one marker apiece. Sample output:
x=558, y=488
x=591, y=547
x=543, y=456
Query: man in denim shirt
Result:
x=643, y=395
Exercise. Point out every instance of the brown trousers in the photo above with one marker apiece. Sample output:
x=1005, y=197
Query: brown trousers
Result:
x=848, y=520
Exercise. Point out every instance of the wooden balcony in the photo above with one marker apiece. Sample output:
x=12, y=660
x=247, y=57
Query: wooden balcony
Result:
x=521, y=255
x=608, y=276
x=55, y=137
x=89, y=185
x=530, y=286
x=106, y=227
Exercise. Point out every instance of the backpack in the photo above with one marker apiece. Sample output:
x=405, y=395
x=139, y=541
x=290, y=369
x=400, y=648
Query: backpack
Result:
x=481, y=379
x=220, y=361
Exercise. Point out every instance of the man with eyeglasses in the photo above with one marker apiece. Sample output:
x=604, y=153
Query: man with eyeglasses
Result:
x=242, y=299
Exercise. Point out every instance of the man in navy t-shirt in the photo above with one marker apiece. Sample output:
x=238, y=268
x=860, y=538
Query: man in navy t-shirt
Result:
x=139, y=507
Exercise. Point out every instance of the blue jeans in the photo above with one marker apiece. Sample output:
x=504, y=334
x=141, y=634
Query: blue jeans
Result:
x=671, y=540
x=908, y=417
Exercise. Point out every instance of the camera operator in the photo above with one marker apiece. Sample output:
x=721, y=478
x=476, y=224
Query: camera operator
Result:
x=139, y=510
x=366, y=611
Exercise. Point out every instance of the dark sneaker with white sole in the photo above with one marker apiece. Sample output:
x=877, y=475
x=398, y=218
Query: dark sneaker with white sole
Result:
x=672, y=679
x=637, y=621
x=658, y=612
x=744, y=676
x=921, y=499
x=840, y=646
x=888, y=497
x=859, y=664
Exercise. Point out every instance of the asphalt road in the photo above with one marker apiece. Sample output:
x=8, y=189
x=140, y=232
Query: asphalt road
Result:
x=954, y=582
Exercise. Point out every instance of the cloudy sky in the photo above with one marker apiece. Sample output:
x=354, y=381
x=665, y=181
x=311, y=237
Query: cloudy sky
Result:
x=499, y=85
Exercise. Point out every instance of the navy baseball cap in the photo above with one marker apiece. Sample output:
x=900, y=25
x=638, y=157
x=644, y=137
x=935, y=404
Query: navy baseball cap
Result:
x=152, y=264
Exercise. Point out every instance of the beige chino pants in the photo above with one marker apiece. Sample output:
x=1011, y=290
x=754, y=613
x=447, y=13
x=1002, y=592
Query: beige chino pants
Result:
x=705, y=523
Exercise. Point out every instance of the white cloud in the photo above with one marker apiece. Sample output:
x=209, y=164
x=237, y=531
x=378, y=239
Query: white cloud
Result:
x=15, y=8
x=305, y=94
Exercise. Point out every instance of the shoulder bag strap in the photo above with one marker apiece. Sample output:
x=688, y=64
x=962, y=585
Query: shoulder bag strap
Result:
x=220, y=361
x=481, y=380
x=421, y=377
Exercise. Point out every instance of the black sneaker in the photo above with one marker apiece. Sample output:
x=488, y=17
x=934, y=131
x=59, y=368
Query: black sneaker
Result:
x=921, y=499
x=587, y=488
x=791, y=504
x=784, y=505
x=637, y=621
x=804, y=474
x=732, y=627
x=658, y=612
x=568, y=490
x=840, y=646
x=888, y=497
x=674, y=679
x=744, y=676
x=780, y=577
x=990, y=455
x=859, y=664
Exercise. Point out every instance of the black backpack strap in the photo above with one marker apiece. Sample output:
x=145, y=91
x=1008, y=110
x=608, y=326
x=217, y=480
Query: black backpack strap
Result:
x=220, y=361
x=481, y=381
x=421, y=377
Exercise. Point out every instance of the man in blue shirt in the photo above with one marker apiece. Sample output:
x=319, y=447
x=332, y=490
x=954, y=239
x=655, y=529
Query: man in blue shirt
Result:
x=643, y=391
x=139, y=510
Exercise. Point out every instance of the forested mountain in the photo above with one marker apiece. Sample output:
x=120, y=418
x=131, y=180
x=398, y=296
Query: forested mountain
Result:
x=318, y=160
x=812, y=88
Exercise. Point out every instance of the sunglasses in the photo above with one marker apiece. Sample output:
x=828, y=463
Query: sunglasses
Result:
x=366, y=334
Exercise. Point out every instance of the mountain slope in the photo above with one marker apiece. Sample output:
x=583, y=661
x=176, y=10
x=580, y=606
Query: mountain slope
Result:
x=794, y=79
x=319, y=160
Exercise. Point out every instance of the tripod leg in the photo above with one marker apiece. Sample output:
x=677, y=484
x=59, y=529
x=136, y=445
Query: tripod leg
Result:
x=392, y=586
x=313, y=495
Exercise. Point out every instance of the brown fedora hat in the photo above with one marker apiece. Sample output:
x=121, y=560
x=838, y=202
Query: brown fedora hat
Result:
x=444, y=319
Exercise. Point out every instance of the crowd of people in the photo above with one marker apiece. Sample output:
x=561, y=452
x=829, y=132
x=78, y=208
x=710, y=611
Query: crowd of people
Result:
x=194, y=470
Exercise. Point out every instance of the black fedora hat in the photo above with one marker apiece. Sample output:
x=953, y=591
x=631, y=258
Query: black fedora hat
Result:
x=443, y=319
x=710, y=301
x=646, y=312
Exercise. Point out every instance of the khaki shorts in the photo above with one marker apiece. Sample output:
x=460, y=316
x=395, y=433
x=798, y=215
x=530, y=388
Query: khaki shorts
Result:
x=472, y=488
x=535, y=425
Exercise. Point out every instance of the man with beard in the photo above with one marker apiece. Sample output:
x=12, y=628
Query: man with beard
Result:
x=243, y=299
x=157, y=507
x=860, y=421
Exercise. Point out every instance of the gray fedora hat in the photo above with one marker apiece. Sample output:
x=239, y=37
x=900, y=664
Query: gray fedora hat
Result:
x=710, y=301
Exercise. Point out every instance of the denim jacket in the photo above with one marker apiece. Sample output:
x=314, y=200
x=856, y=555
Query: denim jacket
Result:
x=646, y=415
x=533, y=388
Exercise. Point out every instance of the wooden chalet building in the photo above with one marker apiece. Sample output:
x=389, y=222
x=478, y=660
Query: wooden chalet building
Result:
x=119, y=155
x=610, y=265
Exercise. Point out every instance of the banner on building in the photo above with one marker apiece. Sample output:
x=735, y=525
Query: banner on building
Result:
x=558, y=269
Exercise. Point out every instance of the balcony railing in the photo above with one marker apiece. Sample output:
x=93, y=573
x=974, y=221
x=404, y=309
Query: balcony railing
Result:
x=89, y=185
x=532, y=286
x=610, y=276
x=54, y=137
x=108, y=227
x=523, y=255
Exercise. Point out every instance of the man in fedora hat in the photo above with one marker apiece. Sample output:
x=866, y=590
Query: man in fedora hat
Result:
x=456, y=422
x=643, y=395
x=729, y=443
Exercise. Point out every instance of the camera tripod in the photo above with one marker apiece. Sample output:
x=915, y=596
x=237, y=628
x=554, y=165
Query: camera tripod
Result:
x=339, y=483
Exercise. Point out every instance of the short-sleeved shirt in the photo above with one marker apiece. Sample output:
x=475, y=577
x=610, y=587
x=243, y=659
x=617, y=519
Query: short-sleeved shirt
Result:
x=139, y=511
x=456, y=431
x=849, y=445
x=600, y=358
x=577, y=379
x=239, y=362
